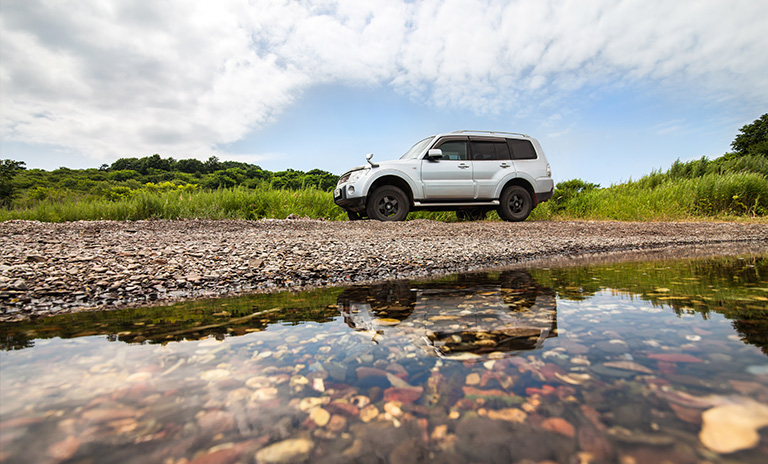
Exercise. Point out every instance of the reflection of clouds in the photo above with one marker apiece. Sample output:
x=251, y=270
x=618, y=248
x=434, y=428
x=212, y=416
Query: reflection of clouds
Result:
x=184, y=77
x=479, y=315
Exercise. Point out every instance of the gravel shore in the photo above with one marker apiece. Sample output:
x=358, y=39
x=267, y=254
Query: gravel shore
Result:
x=48, y=269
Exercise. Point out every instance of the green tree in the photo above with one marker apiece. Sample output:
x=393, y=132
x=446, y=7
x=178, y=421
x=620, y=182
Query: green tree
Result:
x=212, y=165
x=190, y=166
x=126, y=164
x=8, y=170
x=158, y=163
x=568, y=190
x=753, y=138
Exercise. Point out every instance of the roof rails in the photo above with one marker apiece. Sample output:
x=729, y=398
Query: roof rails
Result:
x=489, y=132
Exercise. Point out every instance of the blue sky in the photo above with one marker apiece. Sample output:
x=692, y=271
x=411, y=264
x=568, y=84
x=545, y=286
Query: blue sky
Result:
x=612, y=89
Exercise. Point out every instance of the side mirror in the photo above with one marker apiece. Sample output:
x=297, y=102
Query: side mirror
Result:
x=435, y=153
x=368, y=158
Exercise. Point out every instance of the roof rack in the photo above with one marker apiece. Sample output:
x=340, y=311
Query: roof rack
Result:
x=489, y=132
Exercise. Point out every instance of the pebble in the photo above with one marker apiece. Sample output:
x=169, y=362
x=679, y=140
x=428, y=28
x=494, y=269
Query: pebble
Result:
x=508, y=414
x=311, y=402
x=215, y=374
x=559, y=425
x=320, y=416
x=93, y=264
x=733, y=427
x=291, y=450
x=368, y=413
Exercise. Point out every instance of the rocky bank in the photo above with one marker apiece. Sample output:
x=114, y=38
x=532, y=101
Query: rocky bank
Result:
x=48, y=269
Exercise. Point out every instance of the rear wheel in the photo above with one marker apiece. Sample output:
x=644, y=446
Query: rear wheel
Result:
x=516, y=204
x=388, y=203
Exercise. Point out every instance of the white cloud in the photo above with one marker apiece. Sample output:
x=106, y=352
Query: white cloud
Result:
x=125, y=78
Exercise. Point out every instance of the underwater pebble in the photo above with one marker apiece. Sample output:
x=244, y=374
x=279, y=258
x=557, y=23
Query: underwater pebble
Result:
x=312, y=402
x=733, y=427
x=318, y=384
x=263, y=394
x=215, y=374
x=139, y=377
x=559, y=425
x=628, y=366
x=368, y=413
x=320, y=416
x=291, y=450
x=508, y=414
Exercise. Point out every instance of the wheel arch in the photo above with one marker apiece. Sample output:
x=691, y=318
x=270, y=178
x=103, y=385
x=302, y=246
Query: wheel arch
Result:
x=522, y=183
x=394, y=181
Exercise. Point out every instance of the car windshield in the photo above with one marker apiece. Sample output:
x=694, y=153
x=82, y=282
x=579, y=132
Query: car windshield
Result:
x=417, y=149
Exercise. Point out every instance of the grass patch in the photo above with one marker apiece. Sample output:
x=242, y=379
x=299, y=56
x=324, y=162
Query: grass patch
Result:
x=661, y=198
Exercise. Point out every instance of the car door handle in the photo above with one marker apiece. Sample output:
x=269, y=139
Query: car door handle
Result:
x=505, y=165
x=463, y=166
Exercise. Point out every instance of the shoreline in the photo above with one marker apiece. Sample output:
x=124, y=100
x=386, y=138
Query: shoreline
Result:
x=48, y=269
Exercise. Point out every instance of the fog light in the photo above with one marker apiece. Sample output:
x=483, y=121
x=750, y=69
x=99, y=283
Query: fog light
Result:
x=351, y=190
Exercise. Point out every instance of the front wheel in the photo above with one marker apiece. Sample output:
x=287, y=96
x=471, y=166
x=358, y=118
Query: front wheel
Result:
x=388, y=203
x=516, y=204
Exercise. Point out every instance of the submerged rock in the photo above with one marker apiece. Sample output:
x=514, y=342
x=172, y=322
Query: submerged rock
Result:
x=733, y=427
x=291, y=450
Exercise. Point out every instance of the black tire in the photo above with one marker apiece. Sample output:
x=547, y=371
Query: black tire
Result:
x=516, y=204
x=474, y=214
x=353, y=216
x=388, y=203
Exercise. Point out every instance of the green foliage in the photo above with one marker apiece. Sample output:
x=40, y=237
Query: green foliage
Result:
x=568, y=191
x=753, y=138
x=8, y=170
x=127, y=177
x=734, y=185
x=160, y=201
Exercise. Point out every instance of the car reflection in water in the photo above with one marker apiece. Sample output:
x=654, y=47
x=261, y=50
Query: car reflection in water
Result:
x=475, y=317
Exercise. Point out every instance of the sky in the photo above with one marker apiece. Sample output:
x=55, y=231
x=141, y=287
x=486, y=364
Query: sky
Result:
x=611, y=89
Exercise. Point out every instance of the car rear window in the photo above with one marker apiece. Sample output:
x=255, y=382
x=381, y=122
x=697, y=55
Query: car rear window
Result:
x=521, y=149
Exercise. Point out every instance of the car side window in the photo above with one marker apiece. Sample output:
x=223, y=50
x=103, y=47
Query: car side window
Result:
x=455, y=150
x=485, y=151
x=522, y=149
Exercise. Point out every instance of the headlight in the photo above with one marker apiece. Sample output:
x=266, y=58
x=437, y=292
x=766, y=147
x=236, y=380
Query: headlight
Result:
x=355, y=176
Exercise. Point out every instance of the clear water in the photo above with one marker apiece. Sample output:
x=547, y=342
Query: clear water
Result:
x=612, y=363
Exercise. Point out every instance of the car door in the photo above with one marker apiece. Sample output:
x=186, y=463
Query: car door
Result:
x=449, y=177
x=491, y=162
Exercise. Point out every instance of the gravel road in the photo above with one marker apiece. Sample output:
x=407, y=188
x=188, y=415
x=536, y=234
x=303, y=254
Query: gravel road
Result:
x=48, y=269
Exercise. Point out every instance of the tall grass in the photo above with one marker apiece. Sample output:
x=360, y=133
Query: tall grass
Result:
x=232, y=203
x=657, y=197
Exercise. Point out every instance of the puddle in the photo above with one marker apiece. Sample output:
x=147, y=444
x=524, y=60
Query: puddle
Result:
x=631, y=362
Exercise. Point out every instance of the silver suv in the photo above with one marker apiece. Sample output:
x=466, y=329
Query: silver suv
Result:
x=470, y=172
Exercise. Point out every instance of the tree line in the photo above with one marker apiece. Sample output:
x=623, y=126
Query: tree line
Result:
x=129, y=175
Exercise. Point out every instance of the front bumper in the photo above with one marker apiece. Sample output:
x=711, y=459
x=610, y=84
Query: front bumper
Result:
x=355, y=204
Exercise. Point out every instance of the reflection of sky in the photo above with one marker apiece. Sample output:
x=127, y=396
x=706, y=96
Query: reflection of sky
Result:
x=59, y=370
x=243, y=386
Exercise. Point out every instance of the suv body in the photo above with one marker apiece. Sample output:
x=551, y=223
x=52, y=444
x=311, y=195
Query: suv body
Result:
x=471, y=172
